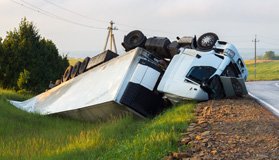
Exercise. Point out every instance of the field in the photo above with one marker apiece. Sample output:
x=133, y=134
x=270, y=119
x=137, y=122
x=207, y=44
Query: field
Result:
x=266, y=70
x=31, y=136
x=73, y=61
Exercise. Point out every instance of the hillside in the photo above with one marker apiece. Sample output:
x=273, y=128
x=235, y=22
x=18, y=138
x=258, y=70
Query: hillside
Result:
x=30, y=136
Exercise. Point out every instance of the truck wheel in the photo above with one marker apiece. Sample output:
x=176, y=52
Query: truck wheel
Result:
x=158, y=46
x=83, y=65
x=75, y=70
x=173, y=48
x=134, y=39
x=207, y=41
x=67, y=73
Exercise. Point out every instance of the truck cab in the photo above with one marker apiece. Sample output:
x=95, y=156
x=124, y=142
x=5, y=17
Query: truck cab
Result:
x=202, y=75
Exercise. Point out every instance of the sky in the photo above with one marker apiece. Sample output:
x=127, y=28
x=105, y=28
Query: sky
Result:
x=78, y=27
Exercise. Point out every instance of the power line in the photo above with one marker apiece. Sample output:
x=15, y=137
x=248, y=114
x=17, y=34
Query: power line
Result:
x=268, y=43
x=73, y=12
x=49, y=14
x=61, y=18
x=255, y=63
x=27, y=7
x=141, y=28
x=103, y=21
x=271, y=38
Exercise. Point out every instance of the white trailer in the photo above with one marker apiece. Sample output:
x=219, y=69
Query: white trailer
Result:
x=123, y=85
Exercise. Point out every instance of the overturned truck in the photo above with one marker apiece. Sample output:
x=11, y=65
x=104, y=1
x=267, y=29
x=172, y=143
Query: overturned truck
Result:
x=153, y=74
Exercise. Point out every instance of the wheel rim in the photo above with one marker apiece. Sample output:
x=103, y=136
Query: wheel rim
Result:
x=207, y=41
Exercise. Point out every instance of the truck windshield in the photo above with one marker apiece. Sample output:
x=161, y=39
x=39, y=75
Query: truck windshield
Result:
x=200, y=73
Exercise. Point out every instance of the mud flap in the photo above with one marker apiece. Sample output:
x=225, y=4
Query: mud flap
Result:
x=233, y=87
x=214, y=88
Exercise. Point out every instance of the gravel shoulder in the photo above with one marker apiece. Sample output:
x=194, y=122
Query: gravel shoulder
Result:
x=230, y=129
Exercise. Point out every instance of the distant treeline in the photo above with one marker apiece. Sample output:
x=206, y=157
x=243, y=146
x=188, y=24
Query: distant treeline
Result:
x=28, y=61
x=269, y=55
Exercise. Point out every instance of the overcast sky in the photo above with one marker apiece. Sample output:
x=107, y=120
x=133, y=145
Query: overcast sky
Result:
x=236, y=21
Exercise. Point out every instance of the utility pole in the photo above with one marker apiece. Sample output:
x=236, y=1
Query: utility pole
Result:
x=255, y=62
x=111, y=37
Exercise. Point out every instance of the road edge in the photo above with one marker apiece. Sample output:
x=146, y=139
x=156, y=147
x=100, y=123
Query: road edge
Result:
x=265, y=104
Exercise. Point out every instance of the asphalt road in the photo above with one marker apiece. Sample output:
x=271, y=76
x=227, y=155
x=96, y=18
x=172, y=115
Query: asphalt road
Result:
x=267, y=93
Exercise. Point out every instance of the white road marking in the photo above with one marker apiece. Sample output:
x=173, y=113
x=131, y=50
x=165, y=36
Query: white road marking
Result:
x=267, y=105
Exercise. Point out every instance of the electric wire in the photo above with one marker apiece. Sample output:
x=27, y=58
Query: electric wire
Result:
x=103, y=21
x=61, y=18
x=74, y=12
x=270, y=38
x=49, y=14
x=144, y=29
x=268, y=43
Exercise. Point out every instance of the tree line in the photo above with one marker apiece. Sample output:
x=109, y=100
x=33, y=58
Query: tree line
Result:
x=29, y=61
x=269, y=55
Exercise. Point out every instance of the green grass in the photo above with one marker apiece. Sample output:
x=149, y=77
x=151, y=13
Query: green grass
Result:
x=11, y=94
x=265, y=71
x=30, y=136
x=73, y=61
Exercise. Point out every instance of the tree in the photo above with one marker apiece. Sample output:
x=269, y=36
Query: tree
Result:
x=1, y=63
x=269, y=55
x=23, y=79
x=25, y=49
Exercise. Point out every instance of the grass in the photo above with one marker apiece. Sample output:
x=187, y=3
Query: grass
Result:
x=268, y=70
x=31, y=136
x=73, y=61
x=11, y=94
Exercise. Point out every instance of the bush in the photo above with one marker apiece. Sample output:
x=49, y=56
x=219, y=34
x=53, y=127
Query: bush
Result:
x=23, y=79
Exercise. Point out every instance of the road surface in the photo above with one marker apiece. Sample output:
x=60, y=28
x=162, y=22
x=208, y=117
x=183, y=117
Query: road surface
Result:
x=267, y=93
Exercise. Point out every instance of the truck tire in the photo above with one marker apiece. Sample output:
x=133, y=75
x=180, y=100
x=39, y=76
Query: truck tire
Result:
x=173, y=48
x=67, y=73
x=207, y=41
x=134, y=39
x=158, y=46
x=75, y=70
x=83, y=65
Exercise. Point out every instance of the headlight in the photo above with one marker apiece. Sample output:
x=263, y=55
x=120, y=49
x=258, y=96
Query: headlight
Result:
x=229, y=53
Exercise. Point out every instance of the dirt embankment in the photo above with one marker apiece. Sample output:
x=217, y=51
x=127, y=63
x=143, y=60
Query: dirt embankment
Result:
x=230, y=129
